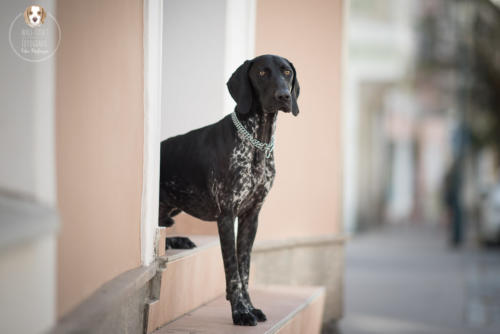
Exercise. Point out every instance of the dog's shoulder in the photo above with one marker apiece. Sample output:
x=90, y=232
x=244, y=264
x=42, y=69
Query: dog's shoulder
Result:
x=216, y=140
x=199, y=151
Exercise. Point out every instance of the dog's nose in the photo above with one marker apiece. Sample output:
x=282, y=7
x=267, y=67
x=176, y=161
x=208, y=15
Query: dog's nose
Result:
x=282, y=95
x=35, y=19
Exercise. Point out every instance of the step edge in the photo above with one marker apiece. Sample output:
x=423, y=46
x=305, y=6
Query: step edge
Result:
x=190, y=252
x=210, y=244
x=319, y=291
x=190, y=311
x=94, y=308
x=309, y=241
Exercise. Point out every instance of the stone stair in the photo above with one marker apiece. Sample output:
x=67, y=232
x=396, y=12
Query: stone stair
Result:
x=189, y=296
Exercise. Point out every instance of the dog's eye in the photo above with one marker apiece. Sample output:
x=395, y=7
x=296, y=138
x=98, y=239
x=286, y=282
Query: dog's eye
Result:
x=30, y=13
x=39, y=13
x=287, y=72
x=262, y=73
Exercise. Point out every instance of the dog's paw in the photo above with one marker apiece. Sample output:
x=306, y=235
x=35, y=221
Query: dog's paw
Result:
x=165, y=221
x=244, y=318
x=258, y=314
x=179, y=243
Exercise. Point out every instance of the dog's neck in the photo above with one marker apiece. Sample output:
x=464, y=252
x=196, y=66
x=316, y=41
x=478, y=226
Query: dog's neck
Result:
x=260, y=125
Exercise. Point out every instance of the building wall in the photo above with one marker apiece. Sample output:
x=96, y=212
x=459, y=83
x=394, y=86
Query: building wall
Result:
x=314, y=261
x=193, y=64
x=28, y=217
x=99, y=144
x=26, y=119
x=27, y=285
x=305, y=199
x=300, y=227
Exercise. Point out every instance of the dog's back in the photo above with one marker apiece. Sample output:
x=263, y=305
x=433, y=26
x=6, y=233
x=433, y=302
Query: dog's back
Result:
x=188, y=164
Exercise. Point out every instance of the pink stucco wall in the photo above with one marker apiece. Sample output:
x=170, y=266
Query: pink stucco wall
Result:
x=305, y=199
x=99, y=144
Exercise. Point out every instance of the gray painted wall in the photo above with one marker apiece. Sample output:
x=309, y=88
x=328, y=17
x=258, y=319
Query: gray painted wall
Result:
x=193, y=64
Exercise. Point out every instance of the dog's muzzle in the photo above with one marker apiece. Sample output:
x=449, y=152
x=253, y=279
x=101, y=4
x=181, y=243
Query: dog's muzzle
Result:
x=283, y=100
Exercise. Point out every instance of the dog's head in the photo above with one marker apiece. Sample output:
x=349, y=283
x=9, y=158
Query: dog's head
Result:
x=267, y=83
x=34, y=16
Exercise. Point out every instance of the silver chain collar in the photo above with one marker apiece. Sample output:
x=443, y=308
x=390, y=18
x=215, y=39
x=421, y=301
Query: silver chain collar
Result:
x=267, y=148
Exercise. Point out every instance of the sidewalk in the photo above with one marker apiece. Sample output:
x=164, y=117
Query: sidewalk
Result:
x=405, y=279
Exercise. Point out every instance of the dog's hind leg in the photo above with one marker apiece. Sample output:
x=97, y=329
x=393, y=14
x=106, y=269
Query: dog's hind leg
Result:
x=165, y=215
x=247, y=228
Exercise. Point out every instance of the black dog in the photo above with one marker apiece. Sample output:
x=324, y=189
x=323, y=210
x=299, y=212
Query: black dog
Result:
x=225, y=170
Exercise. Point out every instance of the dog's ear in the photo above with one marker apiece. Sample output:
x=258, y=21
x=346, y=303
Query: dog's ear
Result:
x=26, y=18
x=295, y=90
x=240, y=88
x=44, y=14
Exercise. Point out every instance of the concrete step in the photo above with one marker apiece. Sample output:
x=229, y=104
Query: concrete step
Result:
x=288, y=310
x=188, y=279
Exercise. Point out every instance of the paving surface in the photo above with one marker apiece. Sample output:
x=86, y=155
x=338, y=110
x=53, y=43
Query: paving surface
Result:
x=290, y=309
x=406, y=279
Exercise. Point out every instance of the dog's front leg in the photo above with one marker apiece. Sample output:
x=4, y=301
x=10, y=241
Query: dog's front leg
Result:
x=234, y=291
x=247, y=228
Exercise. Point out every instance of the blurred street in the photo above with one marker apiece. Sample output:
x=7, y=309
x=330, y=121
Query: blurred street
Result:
x=422, y=145
x=407, y=279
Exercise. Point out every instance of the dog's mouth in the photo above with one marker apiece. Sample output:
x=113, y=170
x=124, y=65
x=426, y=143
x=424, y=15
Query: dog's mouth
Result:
x=276, y=108
x=285, y=108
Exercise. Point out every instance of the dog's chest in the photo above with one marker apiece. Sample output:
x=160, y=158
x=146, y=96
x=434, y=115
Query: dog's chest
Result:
x=251, y=176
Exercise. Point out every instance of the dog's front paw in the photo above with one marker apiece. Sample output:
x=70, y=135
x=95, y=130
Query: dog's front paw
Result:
x=244, y=318
x=258, y=314
x=179, y=243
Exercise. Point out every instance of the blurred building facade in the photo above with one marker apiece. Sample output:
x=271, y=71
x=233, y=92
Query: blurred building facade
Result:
x=428, y=171
x=380, y=43
x=421, y=124
x=478, y=96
